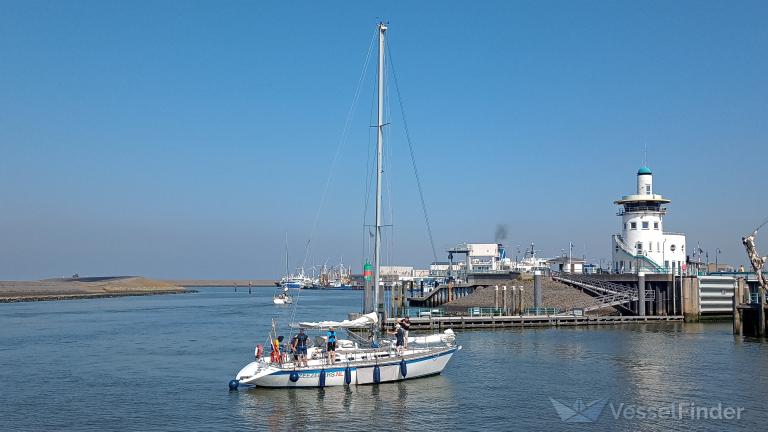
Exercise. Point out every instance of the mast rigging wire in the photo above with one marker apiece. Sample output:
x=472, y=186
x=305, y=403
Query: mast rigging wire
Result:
x=413, y=157
x=762, y=224
x=342, y=140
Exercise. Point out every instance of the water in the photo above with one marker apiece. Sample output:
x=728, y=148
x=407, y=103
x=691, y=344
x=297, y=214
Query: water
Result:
x=163, y=363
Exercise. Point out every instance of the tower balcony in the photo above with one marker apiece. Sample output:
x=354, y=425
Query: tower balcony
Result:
x=642, y=209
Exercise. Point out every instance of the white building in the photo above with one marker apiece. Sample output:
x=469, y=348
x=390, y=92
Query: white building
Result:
x=483, y=257
x=566, y=264
x=440, y=269
x=643, y=245
x=397, y=272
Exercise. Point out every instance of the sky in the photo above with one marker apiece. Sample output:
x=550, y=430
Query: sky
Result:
x=189, y=139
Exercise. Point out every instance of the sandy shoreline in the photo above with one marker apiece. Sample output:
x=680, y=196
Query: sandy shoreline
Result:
x=82, y=288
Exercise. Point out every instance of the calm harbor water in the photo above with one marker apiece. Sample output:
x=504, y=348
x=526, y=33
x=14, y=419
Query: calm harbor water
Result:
x=163, y=363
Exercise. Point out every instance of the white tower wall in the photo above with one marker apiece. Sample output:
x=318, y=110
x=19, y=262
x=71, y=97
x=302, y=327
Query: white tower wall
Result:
x=645, y=184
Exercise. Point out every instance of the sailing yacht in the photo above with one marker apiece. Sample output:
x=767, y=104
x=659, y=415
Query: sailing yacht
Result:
x=359, y=360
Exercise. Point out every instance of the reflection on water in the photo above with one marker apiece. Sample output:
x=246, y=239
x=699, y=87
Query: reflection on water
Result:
x=163, y=362
x=385, y=406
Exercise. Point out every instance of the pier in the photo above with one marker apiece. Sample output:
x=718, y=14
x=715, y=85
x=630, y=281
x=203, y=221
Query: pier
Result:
x=749, y=308
x=470, y=322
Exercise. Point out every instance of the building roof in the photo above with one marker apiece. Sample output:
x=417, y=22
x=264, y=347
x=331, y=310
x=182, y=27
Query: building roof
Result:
x=565, y=260
x=644, y=170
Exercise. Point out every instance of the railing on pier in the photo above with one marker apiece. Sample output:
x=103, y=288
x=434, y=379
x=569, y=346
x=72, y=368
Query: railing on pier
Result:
x=418, y=312
x=606, y=294
x=541, y=311
x=478, y=311
x=754, y=298
x=441, y=295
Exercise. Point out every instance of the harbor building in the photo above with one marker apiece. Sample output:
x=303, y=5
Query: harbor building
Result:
x=442, y=269
x=643, y=245
x=566, y=264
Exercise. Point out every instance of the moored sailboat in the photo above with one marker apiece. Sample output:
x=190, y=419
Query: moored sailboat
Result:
x=358, y=360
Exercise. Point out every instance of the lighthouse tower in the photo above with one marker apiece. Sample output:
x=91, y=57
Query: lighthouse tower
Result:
x=642, y=244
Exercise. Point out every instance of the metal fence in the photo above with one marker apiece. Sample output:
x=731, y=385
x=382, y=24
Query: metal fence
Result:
x=418, y=312
x=541, y=311
x=478, y=311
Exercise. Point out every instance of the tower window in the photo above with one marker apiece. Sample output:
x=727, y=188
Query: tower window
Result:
x=648, y=189
x=645, y=225
x=633, y=225
x=655, y=225
x=639, y=246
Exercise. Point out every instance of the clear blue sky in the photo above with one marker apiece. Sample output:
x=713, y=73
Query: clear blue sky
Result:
x=185, y=138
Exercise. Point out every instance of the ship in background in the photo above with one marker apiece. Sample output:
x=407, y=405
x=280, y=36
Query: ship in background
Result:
x=338, y=277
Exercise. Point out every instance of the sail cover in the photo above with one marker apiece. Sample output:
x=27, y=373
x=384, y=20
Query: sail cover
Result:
x=364, y=321
x=446, y=337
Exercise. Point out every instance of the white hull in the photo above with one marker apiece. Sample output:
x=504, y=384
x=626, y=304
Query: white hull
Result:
x=282, y=301
x=418, y=363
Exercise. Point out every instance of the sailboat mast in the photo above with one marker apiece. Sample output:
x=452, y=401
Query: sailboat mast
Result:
x=378, y=294
x=286, y=254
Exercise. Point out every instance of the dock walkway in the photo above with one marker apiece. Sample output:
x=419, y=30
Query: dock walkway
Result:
x=469, y=322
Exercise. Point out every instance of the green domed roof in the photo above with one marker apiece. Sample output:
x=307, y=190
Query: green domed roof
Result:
x=644, y=170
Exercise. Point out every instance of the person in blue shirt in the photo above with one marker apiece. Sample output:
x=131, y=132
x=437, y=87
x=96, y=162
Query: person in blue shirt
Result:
x=331, y=345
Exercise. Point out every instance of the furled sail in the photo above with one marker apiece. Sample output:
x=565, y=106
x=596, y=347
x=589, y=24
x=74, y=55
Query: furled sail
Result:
x=364, y=321
x=446, y=337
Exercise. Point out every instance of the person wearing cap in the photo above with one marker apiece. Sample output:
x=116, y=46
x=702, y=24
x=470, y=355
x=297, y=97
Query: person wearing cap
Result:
x=331, y=345
x=300, y=347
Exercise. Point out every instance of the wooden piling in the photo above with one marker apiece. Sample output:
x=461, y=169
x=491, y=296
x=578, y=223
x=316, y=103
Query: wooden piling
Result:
x=738, y=298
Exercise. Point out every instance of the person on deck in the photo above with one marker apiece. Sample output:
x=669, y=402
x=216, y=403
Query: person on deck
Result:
x=331, y=345
x=405, y=323
x=291, y=346
x=300, y=347
x=274, y=356
x=281, y=348
x=399, y=335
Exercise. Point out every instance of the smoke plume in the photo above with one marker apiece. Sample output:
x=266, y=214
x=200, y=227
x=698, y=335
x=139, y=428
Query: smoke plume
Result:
x=501, y=233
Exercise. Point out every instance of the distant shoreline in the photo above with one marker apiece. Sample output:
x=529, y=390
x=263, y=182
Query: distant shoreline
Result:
x=254, y=283
x=84, y=288
x=57, y=297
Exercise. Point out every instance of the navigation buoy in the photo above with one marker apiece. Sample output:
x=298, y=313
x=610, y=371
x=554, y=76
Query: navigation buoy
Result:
x=234, y=384
x=321, y=382
x=403, y=368
x=294, y=376
x=376, y=374
x=347, y=376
